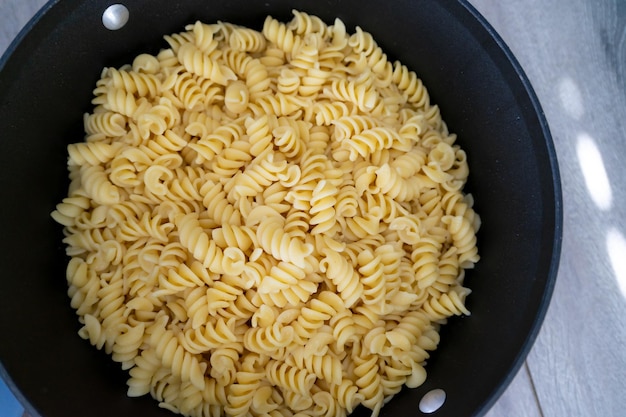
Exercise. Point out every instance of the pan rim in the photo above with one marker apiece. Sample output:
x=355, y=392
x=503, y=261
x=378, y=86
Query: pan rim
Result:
x=550, y=281
x=555, y=257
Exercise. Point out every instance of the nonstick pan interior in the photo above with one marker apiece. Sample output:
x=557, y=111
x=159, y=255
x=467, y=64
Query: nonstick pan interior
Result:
x=46, y=84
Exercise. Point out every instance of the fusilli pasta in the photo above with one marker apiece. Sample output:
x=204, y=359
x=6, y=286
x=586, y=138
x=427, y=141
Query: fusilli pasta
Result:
x=267, y=222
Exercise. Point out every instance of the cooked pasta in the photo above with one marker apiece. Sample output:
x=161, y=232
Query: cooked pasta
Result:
x=267, y=222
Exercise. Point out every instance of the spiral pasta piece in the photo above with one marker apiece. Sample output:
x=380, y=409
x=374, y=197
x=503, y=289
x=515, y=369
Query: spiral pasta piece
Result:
x=236, y=236
x=222, y=294
x=98, y=186
x=297, y=402
x=408, y=82
x=141, y=374
x=279, y=34
x=288, y=81
x=288, y=141
x=293, y=296
x=448, y=304
x=361, y=95
x=408, y=330
x=464, y=238
x=281, y=277
x=268, y=340
x=197, y=62
x=92, y=153
x=206, y=250
x=371, y=269
x=258, y=131
x=211, y=144
x=347, y=394
x=175, y=41
x=304, y=23
x=323, y=200
x=157, y=119
x=391, y=183
x=241, y=393
x=327, y=112
x=211, y=335
x=368, y=381
x=108, y=123
x=228, y=162
x=348, y=125
x=120, y=101
x=345, y=278
x=290, y=377
x=370, y=141
x=247, y=40
x=143, y=85
x=183, y=364
x=273, y=240
x=203, y=36
x=224, y=363
x=279, y=104
x=127, y=344
x=236, y=97
x=257, y=79
x=188, y=91
x=258, y=176
x=218, y=208
x=326, y=367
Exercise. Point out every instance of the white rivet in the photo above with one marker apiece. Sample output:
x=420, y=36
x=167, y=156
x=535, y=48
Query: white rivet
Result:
x=115, y=17
x=432, y=401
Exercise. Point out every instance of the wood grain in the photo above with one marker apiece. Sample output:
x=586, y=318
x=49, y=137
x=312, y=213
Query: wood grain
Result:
x=519, y=400
x=13, y=16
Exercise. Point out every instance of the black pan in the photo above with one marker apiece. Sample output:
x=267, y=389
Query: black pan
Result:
x=46, y=82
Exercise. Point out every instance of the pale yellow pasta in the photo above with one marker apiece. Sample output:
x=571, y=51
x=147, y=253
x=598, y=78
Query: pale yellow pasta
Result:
x=281, y=35
x=247, y=40
x=267, y=222
x=97, y=185
x=323, y=201
x=279, y=104
x=242, y=392
x=368, y=380
x=361, y=94
x=289, y=140
x=145, y=64
x=236, y=97
x=109, y=123
x=120, y=101
x=290, y=377
x=293, y=296
x=344, y=277
x=197, y=62
x=134, y=82
x=308, y=327
x=327, y=367
x=288, y=81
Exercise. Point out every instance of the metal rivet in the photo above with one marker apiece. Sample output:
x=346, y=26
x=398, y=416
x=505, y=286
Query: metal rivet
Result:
x=115, y=17
x=432, y=401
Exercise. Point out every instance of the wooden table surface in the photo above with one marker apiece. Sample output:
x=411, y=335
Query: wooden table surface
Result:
x=574, y=53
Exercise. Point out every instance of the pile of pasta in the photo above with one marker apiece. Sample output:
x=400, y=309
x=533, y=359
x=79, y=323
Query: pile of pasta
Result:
x=267, y=222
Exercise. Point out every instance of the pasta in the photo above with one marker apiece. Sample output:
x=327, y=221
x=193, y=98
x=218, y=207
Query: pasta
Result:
x=267, y=222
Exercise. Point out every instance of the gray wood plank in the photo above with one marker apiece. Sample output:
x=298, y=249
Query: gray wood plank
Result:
x=574, y=53
x=519, y=400
x=13, y=16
